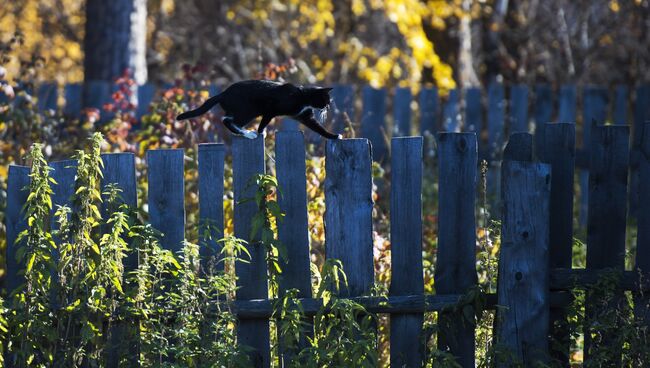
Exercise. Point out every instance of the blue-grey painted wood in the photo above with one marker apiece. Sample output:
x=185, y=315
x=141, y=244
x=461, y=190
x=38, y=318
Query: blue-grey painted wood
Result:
x=211, y=169
x=293, y=230
x=542, y=113
x=343, y=98
x=519, y=147
x=47, y=95
x=166, y=196
x=146, y=93
x=473, y=110
x=402, y=112
x=290, y=125
x=373, y=125
x=619, y=113
x=252, y=282
x=450, y=112
x=567, y=104
x=348, y=215
x=523, y=289
x=72, y=94
x=119, y=169
x=428, y=110
x=642, y=302
x=519, y=108
x=15, y=222
x=406, y=340
x=97, y=93
x=495, y=120
x=594, y=103
x=641, y=116
x=292, y=198
x=608, y=172
x=63, y=172
x=455, y=271
x=559, y=153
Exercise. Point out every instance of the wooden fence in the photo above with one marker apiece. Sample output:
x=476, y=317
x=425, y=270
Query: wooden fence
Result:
x=495, y=114
x=537, y=221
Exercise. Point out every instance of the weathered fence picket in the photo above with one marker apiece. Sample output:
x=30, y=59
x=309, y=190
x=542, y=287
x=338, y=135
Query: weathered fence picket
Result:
x=252, y=281
x=406, y=340
x=402, y=112
x=166, y=196
x=567, y=104
x=211, y=170
x=523, y=292
x=428, y=110
x=559, y=153
x=609, y=159
x=373, y=123
x=451, y=118
x=293, y=229
x=473, y=111
x=518, y=108
x=348, y=212
x=455, y=271
x=17, y=183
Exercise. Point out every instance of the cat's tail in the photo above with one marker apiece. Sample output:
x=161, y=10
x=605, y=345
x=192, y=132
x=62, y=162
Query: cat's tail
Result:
x=207, y=105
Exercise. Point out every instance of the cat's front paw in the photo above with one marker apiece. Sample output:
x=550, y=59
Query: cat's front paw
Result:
x=250, y=134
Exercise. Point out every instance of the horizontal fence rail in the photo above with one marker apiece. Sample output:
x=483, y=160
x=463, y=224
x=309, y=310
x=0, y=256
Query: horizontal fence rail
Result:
x=535, y=264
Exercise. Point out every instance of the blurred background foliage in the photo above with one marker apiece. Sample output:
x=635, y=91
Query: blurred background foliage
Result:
x=384, y=43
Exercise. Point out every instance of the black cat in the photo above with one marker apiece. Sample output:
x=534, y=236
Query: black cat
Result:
x=246, y=100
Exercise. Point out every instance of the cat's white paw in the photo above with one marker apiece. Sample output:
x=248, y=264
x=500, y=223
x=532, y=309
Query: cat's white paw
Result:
x=339, y=136
x=250, y=134
x=264, y=133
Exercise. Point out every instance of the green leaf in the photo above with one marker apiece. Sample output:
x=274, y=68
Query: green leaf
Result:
x=30, y=263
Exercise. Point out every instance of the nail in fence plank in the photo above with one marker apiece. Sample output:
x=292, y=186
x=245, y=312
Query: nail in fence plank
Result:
x=456, y=262
x=594, y=110
x=523, y=290
x=252, y=282
x=402, y=112
x=451, y=113
x=373, y=125
x=72, y=94
x=211, y=166
x=619, y=113
x=642, y=302
x=146, y=92
x=519, y=108
x=166, y=196
x=519, y=147
x=608, y=170
x=348, y=214
x=343, y=97
x=473, y=110
x=406, y=343
x=542, y=113
x=15, y=222
x=559, y=153
x=567, y=104
x=47, y=95
x=119, y=169
x=293, y=230
x=428, y=110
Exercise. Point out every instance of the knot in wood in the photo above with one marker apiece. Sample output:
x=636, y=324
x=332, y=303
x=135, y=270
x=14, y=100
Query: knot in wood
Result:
x=519, y=276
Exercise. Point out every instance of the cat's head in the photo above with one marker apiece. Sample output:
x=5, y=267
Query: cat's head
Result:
x=318, y=97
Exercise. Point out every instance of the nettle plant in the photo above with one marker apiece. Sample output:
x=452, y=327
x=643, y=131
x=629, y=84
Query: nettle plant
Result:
x=79, y=306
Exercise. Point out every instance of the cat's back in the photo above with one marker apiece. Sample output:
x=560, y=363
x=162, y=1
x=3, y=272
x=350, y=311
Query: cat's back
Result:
x=258, y=93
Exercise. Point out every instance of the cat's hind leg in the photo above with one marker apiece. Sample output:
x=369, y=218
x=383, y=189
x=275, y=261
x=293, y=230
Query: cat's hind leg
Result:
x=229, y=122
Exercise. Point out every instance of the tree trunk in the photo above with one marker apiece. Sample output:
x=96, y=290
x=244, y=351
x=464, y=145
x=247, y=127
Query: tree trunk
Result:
x=115, y=41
